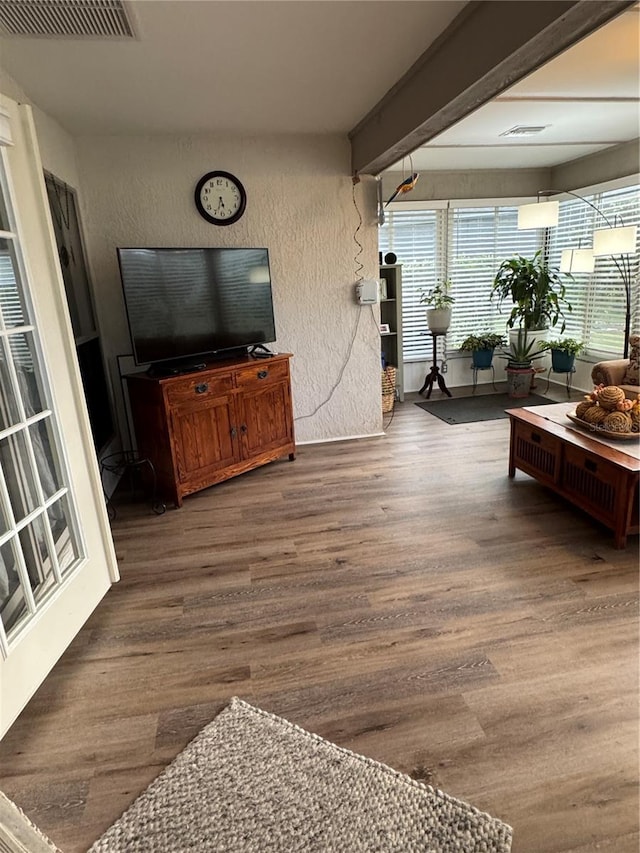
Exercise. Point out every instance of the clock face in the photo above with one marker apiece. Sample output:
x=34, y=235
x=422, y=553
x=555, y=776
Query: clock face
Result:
x=220, y=198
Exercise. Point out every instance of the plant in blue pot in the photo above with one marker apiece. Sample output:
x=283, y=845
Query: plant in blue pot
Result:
x=481, y=348
x=563, y=353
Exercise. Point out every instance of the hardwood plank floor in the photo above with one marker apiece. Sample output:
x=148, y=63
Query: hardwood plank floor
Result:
x=399, y=596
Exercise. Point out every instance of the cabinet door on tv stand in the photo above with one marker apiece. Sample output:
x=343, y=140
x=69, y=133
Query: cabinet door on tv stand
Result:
x=205, y=441
x=265, y=417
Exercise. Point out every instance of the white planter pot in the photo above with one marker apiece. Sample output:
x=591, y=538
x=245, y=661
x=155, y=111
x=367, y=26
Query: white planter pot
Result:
x=438, y=319
x=532, y=335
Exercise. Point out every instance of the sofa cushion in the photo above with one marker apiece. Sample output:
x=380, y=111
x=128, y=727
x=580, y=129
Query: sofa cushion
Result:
x=632, y=373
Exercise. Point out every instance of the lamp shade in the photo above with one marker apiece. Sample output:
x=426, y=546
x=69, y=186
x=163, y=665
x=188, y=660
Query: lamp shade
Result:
x=577, y=260
x=615, y=241
x=543, y=214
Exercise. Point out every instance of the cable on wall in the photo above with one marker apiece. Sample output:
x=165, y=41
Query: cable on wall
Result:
x=359, y=266
x=380, y=201
x=335, y=385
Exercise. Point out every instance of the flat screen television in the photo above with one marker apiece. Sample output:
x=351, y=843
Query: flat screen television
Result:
x=185, y=304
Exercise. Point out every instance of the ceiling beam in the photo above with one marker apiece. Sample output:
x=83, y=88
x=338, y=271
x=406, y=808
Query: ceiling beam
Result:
x=486, y=49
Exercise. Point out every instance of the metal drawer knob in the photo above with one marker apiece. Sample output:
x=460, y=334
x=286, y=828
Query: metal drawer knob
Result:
x=262, y=374
x=200, y=389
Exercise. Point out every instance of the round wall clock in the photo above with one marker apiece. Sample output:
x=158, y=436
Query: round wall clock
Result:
x=220, y=198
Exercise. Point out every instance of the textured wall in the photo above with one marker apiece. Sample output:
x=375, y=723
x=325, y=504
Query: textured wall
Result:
x=607, y=165
x=138, y=191
x=483, y=183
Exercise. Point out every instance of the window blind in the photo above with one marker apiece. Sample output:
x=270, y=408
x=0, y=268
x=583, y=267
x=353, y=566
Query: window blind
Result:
x=481, y=238
x=418, y=239
x=466, y=245
x=598, y=299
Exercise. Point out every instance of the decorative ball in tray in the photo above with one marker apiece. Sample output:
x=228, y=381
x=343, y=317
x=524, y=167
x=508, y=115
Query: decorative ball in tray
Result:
x=607, y=412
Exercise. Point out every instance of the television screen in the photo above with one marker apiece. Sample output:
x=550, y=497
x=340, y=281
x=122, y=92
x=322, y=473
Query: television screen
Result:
x=194, y=302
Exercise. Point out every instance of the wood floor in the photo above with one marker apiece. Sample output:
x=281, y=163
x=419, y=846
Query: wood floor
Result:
x=399, y=596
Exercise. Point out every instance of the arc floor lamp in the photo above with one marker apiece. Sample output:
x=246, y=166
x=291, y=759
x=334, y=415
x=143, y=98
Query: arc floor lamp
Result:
x=616, y=241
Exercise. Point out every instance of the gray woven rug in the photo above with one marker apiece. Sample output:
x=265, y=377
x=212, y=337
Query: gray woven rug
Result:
x=484, y=407
x=251, y=782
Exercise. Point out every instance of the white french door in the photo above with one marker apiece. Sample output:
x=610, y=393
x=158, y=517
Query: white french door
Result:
x=56, y=552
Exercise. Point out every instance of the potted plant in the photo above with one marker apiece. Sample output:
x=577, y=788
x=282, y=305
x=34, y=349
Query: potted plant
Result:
x=563, y=353
x=535, y=291
x=520, y=355
x=439, y=314
x=481, y=348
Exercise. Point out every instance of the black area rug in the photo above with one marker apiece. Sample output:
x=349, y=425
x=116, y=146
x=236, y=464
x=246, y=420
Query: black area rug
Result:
x=485, y=407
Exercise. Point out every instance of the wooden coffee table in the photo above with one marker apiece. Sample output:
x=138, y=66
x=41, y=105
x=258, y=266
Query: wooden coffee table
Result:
x=600, y=479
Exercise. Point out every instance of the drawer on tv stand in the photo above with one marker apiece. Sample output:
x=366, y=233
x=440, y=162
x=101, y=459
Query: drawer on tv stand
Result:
x=198, y=387
x=263, y=373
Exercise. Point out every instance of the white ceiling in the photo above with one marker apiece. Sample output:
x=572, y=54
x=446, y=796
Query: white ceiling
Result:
x=587, y=99
x=315, y=66
x=234, y=66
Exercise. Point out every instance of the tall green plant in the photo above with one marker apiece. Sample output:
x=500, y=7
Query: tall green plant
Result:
x=535, y=291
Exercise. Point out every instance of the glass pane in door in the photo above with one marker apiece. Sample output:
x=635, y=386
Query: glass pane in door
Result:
x=29, y=380
x=63, y=538
x=12, y=600
x=37, y=557
x=11, y=306
x=18, y=475
x=9, y=412
x=47, y=463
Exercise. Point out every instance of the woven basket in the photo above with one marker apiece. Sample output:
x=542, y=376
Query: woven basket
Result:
x=388, y=388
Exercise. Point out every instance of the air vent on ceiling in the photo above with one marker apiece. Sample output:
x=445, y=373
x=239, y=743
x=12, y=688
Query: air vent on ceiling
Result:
x=65, y=18
x=525, y=130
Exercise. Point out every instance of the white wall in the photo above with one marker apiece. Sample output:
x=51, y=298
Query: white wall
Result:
x=138, y=191
x=57, y=148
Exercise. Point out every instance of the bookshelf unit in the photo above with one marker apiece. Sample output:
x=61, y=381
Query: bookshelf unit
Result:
x=391, y=314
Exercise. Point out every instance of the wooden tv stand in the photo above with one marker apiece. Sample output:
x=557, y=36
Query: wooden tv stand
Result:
x=200, y=428
x=597, y=478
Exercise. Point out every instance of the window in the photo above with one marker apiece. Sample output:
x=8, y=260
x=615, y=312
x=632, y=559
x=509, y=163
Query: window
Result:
x=598, y=299
x=468, y=244
x=464, y=244
x=418, y=239
x=481, y=238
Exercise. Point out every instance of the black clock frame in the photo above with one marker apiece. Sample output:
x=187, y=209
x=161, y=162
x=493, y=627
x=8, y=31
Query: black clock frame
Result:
x=243, y=198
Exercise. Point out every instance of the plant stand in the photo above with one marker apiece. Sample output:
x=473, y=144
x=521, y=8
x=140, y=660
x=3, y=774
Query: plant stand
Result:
x=129, y=462
x=434, y=374
x=475, y=376
x=536, y=371
x=568, y=378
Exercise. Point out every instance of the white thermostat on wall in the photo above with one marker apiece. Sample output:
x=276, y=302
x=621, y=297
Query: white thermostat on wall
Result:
x=368, y=291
